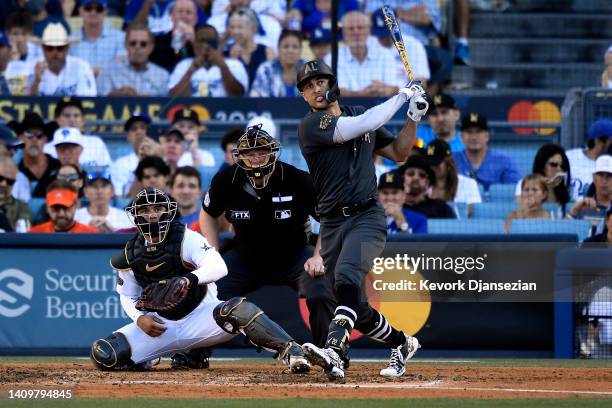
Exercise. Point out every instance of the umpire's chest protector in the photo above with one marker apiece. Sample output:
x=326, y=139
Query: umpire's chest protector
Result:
x=152, y=263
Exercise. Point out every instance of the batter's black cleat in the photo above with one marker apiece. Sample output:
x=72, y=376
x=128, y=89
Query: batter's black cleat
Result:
x=399, y=356
x=327, y=358
x=196, y=359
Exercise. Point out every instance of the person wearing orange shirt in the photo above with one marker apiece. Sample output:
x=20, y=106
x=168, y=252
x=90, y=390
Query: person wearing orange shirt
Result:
x=62, y=203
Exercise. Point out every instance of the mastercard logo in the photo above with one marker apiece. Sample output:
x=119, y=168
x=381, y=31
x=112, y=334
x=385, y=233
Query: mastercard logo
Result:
x=409, y=317
x=542, y=111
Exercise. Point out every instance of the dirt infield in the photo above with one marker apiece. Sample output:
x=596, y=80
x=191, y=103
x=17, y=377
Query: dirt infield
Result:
x=271, y=381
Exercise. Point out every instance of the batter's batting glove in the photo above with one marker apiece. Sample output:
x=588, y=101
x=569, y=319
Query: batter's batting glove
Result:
x=418, y=106
x=412, y=88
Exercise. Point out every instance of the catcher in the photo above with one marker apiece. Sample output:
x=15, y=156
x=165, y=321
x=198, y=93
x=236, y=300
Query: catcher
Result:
x=166, y=282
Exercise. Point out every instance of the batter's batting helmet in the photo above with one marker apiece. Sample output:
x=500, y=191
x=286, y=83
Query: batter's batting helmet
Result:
x=256, y=153
x=153, y=228
x=318, y=68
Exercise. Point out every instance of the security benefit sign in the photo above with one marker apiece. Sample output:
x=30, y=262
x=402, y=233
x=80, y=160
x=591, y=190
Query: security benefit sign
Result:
x=52, y=298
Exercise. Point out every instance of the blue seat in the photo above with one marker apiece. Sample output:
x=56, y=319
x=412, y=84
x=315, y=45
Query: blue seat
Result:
x=35, y=205
x=449, y=226
x=581, y=228
x=502, y=192
x=460, y=209
x=496, y=210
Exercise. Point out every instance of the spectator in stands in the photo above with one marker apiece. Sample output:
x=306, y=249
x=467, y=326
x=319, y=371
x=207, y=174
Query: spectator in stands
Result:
x=418, y=178
x=606, y=76
x=42, y=17
x=39, y=167
x=5, y=57
x=68, y=143
x=152, y=171
x=209, y=73
x=317, y=13
x=187, y=122
x=595, y=207
x=461, y=26
x=99, y=213
x=320, y=41
x=98, y=43
x=62, y=202
x=60, y=74
x=582, y=161
x=364, y=69
x=136, y=128
x=158, y=13
x=72, y=174
x=268, y=29
x=278, y=77
x=228, y=144
x=185, y=187
x=449, y=185
x=606, y=234
x=177, y=44
x=478, y=160
x=172, y=143
x=24, y=52
x=69, y=112
x=551, y=162
x=534, y=192
x=414, y=49
x=136, y=75
x=8, y=141
x=443, y=118
x=10, y=207
x=242, y=46
x=399, y=219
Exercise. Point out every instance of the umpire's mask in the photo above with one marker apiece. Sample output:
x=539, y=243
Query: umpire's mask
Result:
x=152, y=211
x=256, y=153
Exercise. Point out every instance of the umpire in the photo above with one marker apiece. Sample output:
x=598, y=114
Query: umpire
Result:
x=339, y=144
x=268, y=203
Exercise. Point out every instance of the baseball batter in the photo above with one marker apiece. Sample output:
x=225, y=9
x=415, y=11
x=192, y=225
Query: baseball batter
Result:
x=339, y=143
x=167, y=260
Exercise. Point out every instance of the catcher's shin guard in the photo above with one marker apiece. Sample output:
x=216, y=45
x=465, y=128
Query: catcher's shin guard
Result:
x=111, y=353
x=239, y=315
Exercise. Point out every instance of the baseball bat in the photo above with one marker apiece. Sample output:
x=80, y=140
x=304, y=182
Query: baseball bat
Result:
x=398, y=41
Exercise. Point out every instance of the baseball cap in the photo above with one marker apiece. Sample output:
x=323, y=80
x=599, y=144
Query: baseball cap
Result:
x=68, y=135
x=600, y=129
x=61, y=196
x=100, y=2
x=137, y=117
x=174, y=131
x=319, y=36
x=8, y=137
x=32, y=120
x=603, y=164
x=391, y=179
x=266, y=124
x=4, y=41
x=443, y=101
x=68, y=101
x=186, y=114
x=379, y=28
x=98, y=173
x=436, y=151
x=474, y=119
x=55, y=35
x=419, y=162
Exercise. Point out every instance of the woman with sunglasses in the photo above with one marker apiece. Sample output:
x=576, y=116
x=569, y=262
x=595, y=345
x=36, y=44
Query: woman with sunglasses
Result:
x=551, y=162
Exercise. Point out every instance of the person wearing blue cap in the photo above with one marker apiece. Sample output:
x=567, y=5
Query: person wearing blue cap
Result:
x=582, y=161
x=320, y=42
x=314, y=13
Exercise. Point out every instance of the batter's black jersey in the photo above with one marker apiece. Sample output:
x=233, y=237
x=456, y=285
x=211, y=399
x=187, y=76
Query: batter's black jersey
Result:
x=342, y=173
x=270, y=223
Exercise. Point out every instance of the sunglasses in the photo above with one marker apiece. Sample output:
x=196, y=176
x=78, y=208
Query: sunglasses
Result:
x=141, y=44
x=9, y=181
x=555, y=164
x=30, y=134
x=98, y=8
x=59, y=48
x=68, y=177
x=415, y=173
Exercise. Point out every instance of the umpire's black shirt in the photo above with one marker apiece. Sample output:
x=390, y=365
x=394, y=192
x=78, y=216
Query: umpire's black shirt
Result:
x=270, y=223
x=342, y=173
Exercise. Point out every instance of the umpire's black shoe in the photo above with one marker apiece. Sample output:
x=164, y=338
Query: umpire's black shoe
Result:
x=192, y=359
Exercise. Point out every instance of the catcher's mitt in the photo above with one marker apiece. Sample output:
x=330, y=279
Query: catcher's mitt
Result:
x=164, y=295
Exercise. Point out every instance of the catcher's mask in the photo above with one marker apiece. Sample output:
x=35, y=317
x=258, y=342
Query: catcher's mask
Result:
x=152, y=223
x=256, y=153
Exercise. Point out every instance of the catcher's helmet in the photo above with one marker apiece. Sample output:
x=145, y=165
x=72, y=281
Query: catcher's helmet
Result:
x=318, y=68
x=256, y=153
x=153, y=231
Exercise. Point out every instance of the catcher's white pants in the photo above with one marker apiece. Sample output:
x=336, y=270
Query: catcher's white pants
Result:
x=197, y=329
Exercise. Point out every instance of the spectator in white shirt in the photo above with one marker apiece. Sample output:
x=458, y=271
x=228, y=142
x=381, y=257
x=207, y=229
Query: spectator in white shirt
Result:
x=24, y=53
x=98, y=41
x=582, y=161
x=60, y=74
x=209, y=73
x=99, y=213
x=69, y=113
x=364, y=70
x=68, y=144
x=187, y=121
